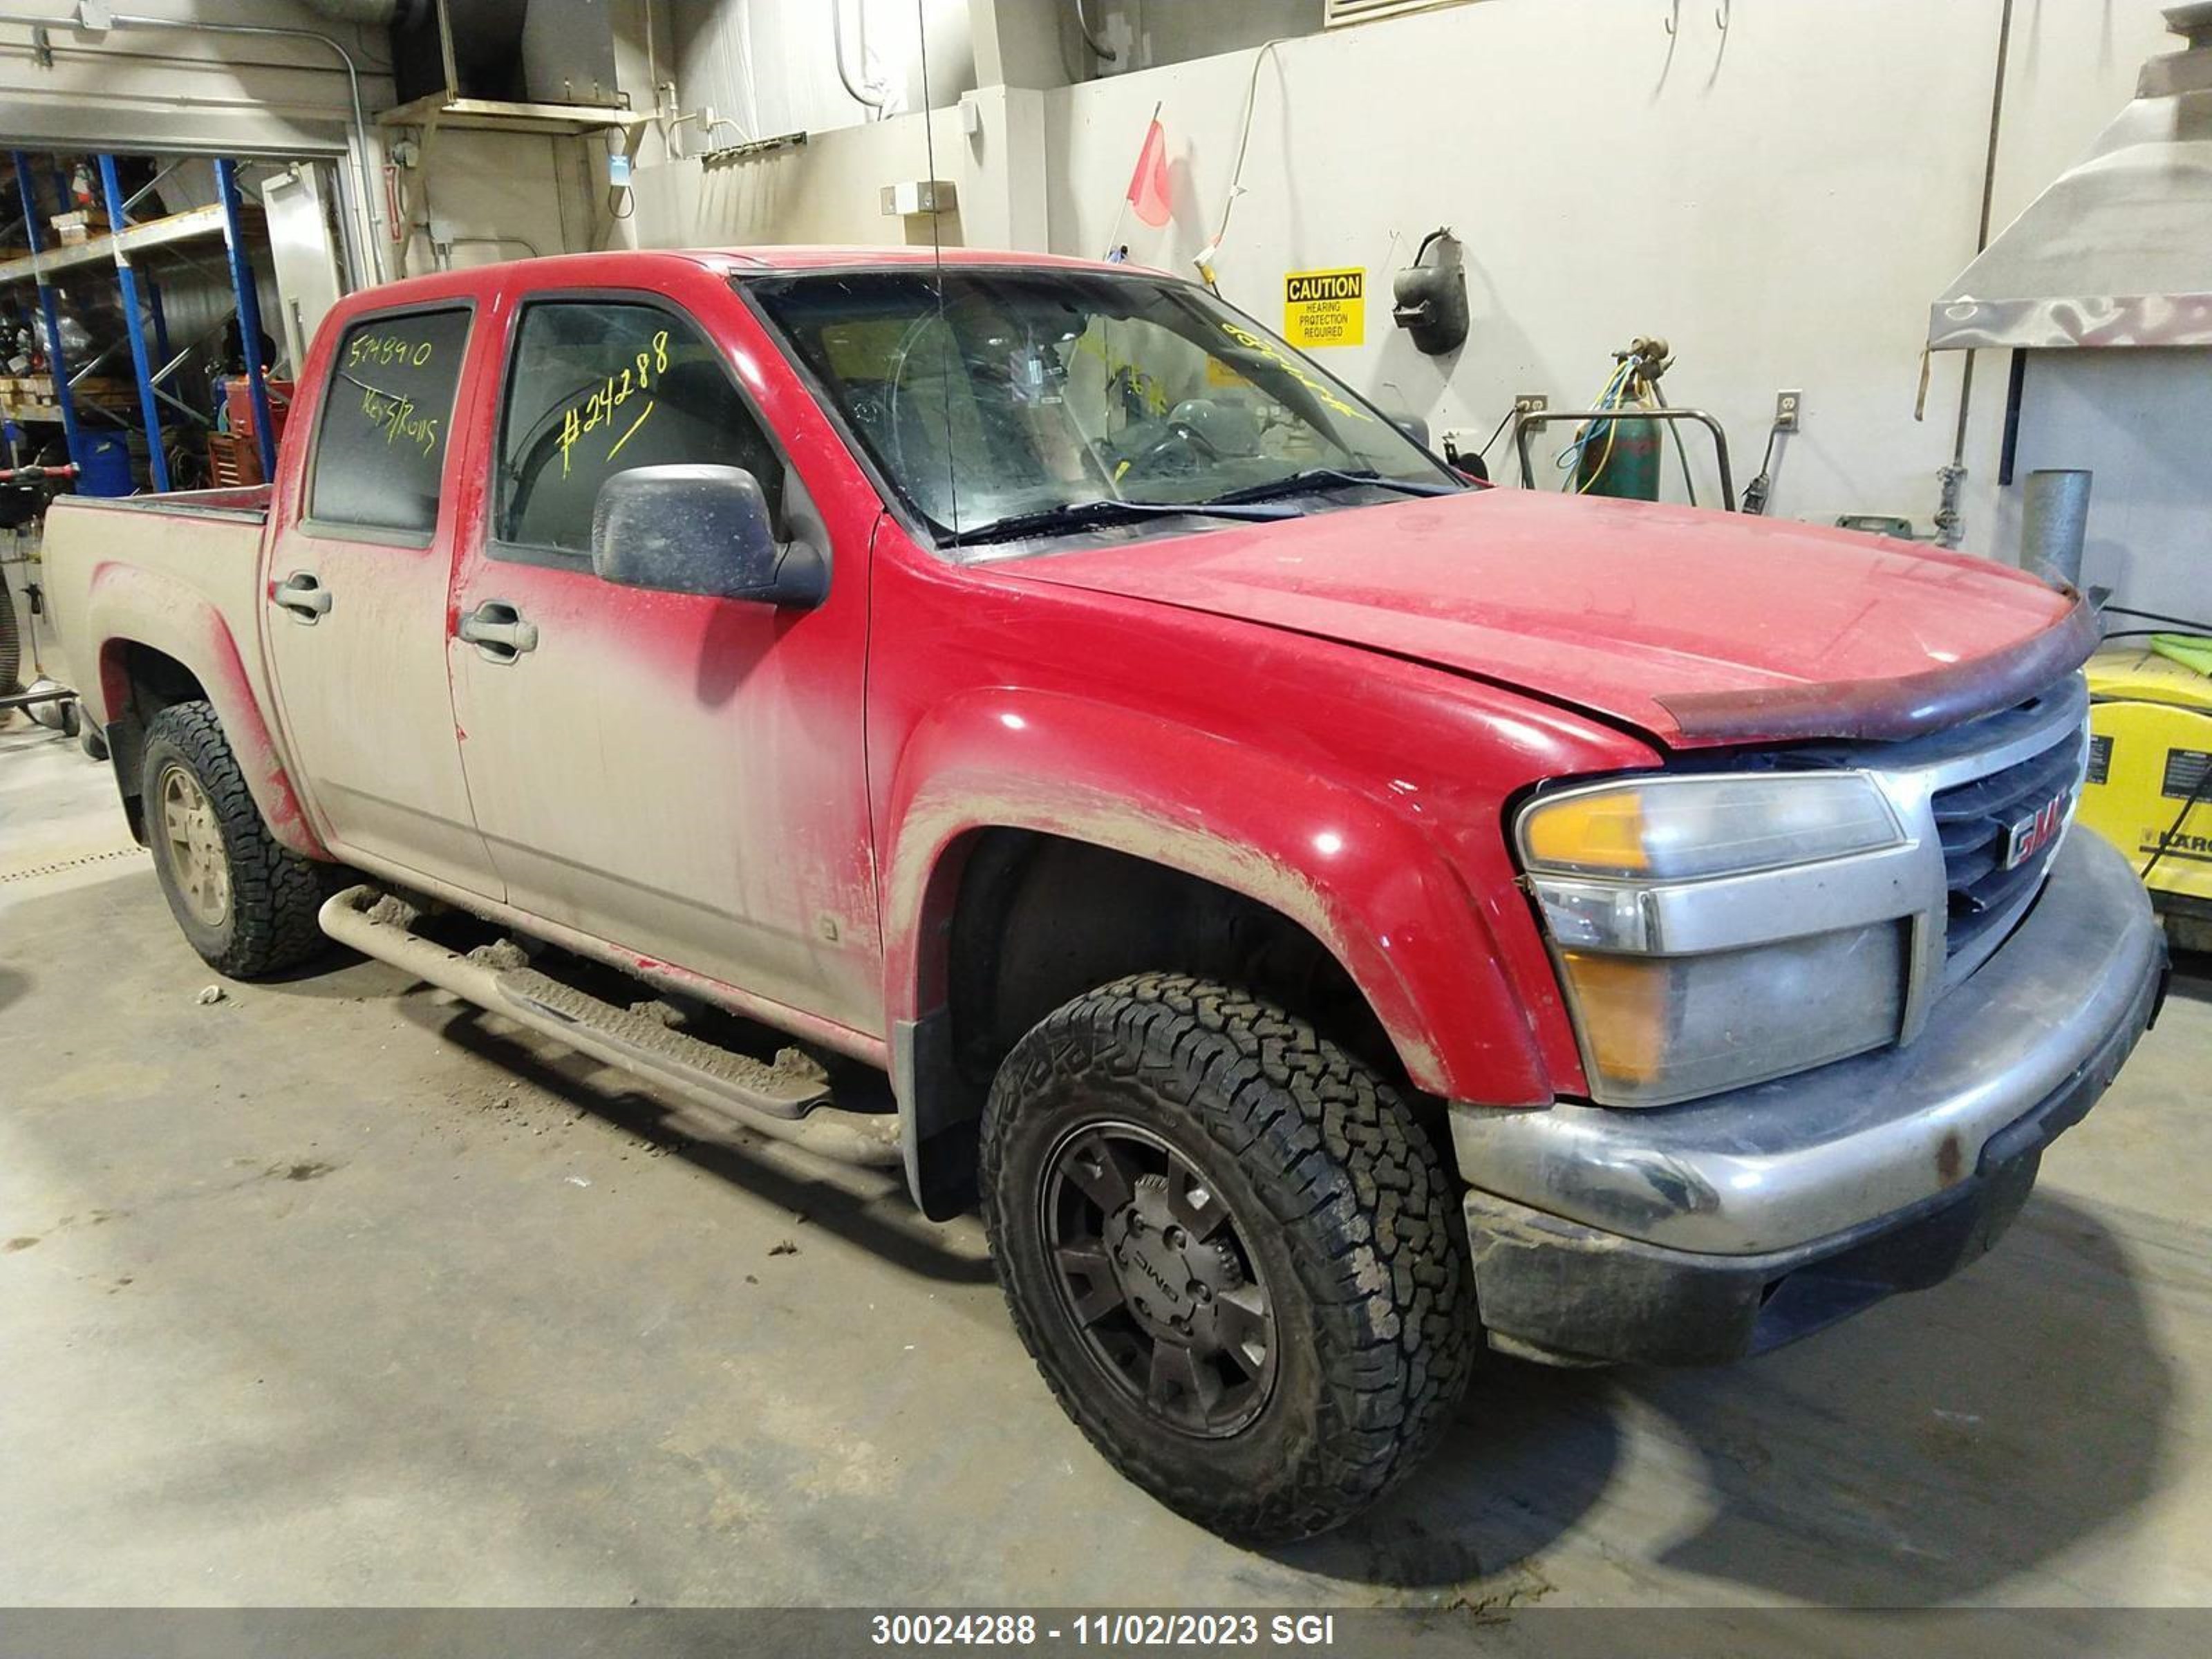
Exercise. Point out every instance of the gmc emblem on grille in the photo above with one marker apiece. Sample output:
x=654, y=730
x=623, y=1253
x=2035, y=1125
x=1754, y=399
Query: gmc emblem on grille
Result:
x=2035, y=832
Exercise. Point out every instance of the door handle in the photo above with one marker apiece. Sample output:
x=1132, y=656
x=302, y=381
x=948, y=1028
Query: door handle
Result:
x=498, y=632
x=302, y=595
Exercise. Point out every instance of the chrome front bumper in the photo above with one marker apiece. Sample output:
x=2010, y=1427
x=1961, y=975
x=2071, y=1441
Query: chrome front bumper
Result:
x=1783, y=1164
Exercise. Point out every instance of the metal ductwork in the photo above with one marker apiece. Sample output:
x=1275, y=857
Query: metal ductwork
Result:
x=547, y=51
x=2118, y=251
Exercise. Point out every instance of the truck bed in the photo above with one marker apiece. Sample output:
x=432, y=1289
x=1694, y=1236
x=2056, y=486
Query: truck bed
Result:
x=238, y=501
x=167, y=571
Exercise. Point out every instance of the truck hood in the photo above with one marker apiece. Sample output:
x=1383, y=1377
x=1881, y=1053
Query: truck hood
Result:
x=1696, y=626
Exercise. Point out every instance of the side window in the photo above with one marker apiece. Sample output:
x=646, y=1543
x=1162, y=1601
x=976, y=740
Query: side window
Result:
x=597, y=387
x=381, y=444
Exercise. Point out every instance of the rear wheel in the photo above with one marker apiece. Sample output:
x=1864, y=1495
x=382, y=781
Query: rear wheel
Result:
x=1231, y=1251
x=247, y=902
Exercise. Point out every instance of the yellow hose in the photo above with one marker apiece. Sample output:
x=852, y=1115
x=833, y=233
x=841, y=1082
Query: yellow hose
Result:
x=1611, y=390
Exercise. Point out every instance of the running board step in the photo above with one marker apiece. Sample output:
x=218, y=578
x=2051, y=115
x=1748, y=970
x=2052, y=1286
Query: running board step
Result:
x=788, y=1089
x=788, y=1100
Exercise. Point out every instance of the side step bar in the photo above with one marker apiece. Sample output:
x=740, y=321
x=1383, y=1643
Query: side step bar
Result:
x=787, y=1101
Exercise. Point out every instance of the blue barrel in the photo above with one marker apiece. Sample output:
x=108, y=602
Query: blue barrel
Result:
x=103, y=464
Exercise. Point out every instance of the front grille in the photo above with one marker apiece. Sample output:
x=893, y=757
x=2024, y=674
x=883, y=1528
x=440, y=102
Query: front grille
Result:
x=1975, y=820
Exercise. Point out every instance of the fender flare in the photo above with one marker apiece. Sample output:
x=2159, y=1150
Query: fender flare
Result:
x=1354, y=870
x=128, y=605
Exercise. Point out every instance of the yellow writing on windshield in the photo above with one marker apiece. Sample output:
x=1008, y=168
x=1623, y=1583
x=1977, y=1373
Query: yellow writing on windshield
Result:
x=640, y=375
x=1295, y=370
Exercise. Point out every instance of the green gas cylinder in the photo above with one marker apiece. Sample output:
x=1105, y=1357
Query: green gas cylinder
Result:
x=1627, y=467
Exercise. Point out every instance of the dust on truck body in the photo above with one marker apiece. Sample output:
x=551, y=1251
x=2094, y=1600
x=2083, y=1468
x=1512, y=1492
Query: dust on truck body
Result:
x=1326, y=915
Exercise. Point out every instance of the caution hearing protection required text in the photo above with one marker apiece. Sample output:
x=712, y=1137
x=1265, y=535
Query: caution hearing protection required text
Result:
x=1325, y=307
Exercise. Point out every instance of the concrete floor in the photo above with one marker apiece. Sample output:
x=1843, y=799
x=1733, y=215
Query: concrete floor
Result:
x=334, y=1292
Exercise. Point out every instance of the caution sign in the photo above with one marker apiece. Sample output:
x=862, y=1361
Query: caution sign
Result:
x=1325, y=307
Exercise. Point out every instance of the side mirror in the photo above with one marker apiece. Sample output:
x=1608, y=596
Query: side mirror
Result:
x=704, y=530
x=1413, y=426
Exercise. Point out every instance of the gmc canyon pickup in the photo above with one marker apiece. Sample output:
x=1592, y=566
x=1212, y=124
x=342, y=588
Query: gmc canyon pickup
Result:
x=1326, y=914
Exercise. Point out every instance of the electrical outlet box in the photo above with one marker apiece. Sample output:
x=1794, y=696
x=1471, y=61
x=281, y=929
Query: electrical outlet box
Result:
x=1530, y=402
x=920, y=195
x=1787, y=407
x=617, y=171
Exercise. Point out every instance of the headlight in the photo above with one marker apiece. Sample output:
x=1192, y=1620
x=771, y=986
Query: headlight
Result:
x=1677, y=828
x=1695, y=937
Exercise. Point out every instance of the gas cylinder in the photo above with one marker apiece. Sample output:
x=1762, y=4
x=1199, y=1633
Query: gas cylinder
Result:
x=1620, y=458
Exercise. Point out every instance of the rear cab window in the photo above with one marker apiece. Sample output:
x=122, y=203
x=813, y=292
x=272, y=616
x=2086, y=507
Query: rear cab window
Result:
x=386, y=424
x=597, y=386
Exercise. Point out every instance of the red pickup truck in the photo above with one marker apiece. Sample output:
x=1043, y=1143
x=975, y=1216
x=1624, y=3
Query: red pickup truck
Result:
x=1327, y=914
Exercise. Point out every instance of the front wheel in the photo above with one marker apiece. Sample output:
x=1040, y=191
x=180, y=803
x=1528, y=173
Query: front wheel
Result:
x=246, y=901
x=1230, y=1250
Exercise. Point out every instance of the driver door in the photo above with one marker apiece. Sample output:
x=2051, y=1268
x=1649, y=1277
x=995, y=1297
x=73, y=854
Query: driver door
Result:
x=678, y=775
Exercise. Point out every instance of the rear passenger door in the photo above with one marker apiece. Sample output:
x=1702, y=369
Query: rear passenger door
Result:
x=354, y=599
x=679, y=775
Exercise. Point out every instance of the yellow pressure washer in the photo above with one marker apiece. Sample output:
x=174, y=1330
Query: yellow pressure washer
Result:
x=2149, y=788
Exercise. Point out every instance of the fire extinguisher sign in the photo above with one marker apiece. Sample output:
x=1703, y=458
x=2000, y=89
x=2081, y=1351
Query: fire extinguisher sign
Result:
x=1325, y=307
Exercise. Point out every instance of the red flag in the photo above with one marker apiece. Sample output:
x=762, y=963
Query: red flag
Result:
x=1148, y=184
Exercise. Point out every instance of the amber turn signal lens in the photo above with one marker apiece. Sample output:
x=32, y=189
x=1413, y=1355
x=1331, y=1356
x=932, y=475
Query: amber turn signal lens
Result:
x=1656, y=1030
x=1602, y=831
x=1625, y=1001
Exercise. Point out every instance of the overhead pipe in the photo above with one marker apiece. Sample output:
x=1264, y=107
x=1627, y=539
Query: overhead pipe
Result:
x=838, y=45
x=1099, y=49
x=1950, y=522
x=374, y=259
x=124, y=20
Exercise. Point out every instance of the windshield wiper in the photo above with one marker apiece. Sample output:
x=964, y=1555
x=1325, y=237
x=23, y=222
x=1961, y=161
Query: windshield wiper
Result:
x=1298, y=482
x=1082, y=515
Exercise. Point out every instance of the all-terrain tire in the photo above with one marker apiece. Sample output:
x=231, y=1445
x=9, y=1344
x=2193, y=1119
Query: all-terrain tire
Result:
x=1342, y=1203
x=274, y=892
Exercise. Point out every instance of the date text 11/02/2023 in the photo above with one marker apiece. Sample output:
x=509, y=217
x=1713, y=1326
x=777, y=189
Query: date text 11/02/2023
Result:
x=1303, y=1631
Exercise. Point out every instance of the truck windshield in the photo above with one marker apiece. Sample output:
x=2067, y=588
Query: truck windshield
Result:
x=1003, y=403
